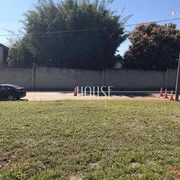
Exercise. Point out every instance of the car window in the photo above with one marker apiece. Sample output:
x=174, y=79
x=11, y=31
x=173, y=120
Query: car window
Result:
x=1, y=88
x=8, y=88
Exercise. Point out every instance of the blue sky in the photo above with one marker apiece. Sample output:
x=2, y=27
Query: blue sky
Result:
x=11, y=12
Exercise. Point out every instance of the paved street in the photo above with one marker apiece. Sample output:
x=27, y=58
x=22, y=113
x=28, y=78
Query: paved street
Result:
x=128, y=95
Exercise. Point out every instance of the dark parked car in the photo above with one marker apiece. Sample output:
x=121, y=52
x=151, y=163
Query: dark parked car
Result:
x=11, y=92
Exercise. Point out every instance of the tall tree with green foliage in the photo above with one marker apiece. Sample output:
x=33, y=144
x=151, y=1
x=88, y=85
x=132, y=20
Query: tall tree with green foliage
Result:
x=154, y=47
x=73, y=34
x=19, y=54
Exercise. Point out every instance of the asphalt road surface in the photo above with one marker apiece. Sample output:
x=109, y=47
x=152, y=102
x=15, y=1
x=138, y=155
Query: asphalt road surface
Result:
x=120, y=95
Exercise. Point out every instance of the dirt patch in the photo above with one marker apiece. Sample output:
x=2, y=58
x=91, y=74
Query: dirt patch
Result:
x=4, y=163
x=174, y=170
x=75, y=177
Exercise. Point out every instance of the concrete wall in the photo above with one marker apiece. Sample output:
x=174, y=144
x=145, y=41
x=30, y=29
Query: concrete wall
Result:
x=135, y=79
x=1, y=55
x=170, y=81
x=55, y=78
x=22, y=77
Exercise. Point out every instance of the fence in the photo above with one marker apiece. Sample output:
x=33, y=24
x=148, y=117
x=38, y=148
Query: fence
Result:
x=41, y=78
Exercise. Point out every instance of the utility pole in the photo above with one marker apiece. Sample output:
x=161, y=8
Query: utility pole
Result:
x=178, y=70
x=177, y=81
x=34, y=76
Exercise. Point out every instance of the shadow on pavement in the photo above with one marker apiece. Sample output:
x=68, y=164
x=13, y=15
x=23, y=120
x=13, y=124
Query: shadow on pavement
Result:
x=133, y=95
x=14, y=100
x=130, y=95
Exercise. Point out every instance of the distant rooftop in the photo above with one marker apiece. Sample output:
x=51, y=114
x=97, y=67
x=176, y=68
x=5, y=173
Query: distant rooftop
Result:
x=2, y=45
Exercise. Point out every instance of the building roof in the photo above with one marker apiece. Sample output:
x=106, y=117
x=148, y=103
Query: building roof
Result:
x=1, y=45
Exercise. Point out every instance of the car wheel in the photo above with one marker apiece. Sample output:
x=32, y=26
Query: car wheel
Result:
x=10, y=98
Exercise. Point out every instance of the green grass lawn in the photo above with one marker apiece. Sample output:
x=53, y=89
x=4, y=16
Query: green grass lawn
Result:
x=95, y=140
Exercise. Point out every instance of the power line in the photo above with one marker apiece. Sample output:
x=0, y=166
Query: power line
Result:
x=86, y=30
x=159, y=21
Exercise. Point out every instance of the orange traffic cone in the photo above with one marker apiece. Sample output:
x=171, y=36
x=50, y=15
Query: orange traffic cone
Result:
x=171, y=96
x=75, y=91
x=161, y=93
x=166, y=95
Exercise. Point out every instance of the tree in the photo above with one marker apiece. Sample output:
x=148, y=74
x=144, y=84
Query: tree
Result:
x=119, y=61
x=19, y=54
x=74, y=34
x=154, y=47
